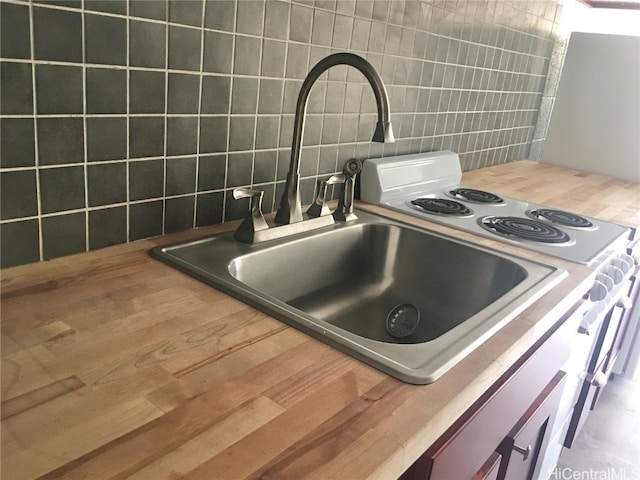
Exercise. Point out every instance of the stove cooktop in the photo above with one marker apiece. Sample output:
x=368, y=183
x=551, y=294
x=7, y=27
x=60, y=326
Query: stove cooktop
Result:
x=428, y=186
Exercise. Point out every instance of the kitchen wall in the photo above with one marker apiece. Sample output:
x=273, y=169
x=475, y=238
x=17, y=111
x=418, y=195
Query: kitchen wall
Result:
x=596, y=116
x=123, y=120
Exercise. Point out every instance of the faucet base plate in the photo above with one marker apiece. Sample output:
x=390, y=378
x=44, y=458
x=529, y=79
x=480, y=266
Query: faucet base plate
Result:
x=280, y=231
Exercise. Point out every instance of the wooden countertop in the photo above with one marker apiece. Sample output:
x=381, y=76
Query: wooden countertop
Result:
x=115, y=365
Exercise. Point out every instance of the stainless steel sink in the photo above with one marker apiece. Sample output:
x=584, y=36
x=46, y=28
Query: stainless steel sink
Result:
x=408, y=301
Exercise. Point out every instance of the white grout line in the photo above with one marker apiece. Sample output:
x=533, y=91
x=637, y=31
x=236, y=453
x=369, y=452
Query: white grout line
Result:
x=231, y=81
x=198, y=124
x=85, y=127
x=127, y=179
x=36, y=153
x=166, y=119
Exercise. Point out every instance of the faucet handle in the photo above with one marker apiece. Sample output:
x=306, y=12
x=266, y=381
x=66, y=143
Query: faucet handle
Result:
x=241, y=192
x=255, y=221
x=319, y=207
x=344, y=211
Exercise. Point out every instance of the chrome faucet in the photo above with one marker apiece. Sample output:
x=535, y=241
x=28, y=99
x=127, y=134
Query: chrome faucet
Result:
x=289, y=218
x=290, y=210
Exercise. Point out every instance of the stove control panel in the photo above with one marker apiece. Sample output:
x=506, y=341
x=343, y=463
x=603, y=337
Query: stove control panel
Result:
x=611, y=273
x=601, y=287
x=625, y=262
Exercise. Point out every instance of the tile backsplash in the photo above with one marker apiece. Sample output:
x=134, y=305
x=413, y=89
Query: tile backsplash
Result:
x=123, y=120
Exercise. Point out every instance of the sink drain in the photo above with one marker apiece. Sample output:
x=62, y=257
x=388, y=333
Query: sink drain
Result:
x=403, y=320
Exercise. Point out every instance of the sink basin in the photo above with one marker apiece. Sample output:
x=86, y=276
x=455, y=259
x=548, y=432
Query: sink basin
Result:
x=407, y=301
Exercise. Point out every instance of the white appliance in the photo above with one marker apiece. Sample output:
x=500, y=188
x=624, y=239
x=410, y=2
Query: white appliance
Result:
x=427, y=185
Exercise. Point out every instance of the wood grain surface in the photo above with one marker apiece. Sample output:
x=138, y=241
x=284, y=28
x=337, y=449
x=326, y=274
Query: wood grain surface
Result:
x=117, y=366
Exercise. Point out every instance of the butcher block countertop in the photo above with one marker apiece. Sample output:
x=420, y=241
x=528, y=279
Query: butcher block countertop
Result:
x=115, y=365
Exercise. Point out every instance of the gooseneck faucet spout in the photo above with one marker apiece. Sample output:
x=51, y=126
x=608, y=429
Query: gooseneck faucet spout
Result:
x=290, y=210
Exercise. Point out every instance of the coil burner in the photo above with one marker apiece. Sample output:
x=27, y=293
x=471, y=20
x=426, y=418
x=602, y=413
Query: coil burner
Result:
x=519, y=228
x=403, y=184
x=566, y=219
x=442, y=206
x=477, y=196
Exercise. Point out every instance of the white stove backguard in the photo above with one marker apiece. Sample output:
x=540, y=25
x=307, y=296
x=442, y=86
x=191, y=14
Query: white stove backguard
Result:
x=408, y=176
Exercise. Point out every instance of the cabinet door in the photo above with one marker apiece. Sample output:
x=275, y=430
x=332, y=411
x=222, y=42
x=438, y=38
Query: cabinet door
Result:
x=527, y=441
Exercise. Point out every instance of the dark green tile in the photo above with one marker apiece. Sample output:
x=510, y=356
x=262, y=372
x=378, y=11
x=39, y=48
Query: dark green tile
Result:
x=14, y=31
x=16, y=92
x=17, y=144
x=146, y=179
x=18, y=194
x=61, y=189
x=57, y=35
x=106, y=39
x=60, y=140
x=59, y=89
x=63, y=235
x=145, y=220
x=107, y=183
x=107, y=227
x=19, y=243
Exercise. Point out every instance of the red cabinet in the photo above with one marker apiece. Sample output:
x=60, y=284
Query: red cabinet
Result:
x=490, y=469
x=515, y=410
x=528, y=439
